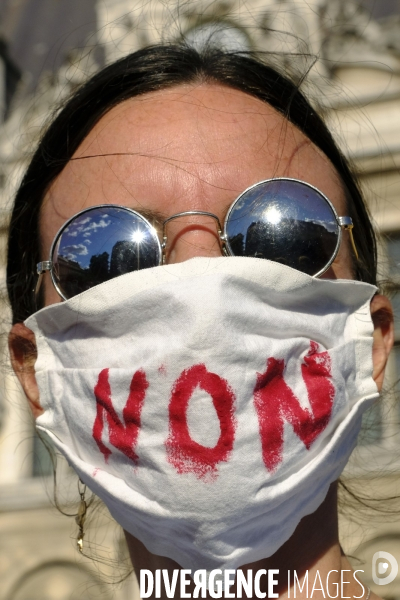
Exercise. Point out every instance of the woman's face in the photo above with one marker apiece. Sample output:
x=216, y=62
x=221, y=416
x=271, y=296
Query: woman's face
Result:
x=187, y=148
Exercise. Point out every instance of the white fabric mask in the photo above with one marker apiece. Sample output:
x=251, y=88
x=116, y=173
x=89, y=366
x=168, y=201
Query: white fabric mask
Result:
x=210, y=403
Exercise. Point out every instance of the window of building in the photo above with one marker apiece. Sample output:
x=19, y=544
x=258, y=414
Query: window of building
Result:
x=42, y=455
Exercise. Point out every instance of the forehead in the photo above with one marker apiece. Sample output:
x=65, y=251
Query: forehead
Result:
x=186, y=148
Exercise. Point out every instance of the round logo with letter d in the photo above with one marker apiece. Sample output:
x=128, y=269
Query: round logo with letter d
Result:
x=381, y=561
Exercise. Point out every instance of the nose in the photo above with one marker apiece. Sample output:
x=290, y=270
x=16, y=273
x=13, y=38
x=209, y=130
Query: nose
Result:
x=191, y=236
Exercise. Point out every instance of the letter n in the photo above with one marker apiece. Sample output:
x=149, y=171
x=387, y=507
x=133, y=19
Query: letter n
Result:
x=276, y=403
x=123, y=433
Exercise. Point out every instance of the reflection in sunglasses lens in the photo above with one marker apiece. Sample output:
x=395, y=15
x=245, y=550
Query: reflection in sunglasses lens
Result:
x=101, y=244
x=284, y=221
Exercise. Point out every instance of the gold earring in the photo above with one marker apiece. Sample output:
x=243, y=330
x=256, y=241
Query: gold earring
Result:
x=81, y=515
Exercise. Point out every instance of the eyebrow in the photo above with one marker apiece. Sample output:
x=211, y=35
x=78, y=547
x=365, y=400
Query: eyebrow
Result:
x=155, y=217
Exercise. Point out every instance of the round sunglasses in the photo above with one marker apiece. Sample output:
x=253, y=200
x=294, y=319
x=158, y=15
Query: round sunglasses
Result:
x=284, y=220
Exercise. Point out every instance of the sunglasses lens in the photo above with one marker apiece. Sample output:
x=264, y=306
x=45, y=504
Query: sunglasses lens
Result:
x=285, y=221
x=100, y=244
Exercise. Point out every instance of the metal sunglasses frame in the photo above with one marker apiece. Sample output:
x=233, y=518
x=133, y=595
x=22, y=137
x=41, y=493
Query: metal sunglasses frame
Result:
x=345, y=223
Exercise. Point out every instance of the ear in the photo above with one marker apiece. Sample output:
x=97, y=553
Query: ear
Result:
x=23, y=353
x=382, y=318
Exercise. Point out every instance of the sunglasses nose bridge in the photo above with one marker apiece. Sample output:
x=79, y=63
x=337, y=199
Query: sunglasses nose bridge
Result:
x=191, y=234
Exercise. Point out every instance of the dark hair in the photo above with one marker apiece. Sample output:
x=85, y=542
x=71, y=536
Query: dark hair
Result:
x=151, y=69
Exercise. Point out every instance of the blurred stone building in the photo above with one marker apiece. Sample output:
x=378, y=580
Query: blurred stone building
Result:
x=351, y=54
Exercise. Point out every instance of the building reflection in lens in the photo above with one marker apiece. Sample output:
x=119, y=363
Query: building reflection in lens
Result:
x=99, y=247
x=285, y=221
x=304, y=246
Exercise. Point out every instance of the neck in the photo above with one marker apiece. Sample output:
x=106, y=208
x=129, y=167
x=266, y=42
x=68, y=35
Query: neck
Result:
x=312, y=556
